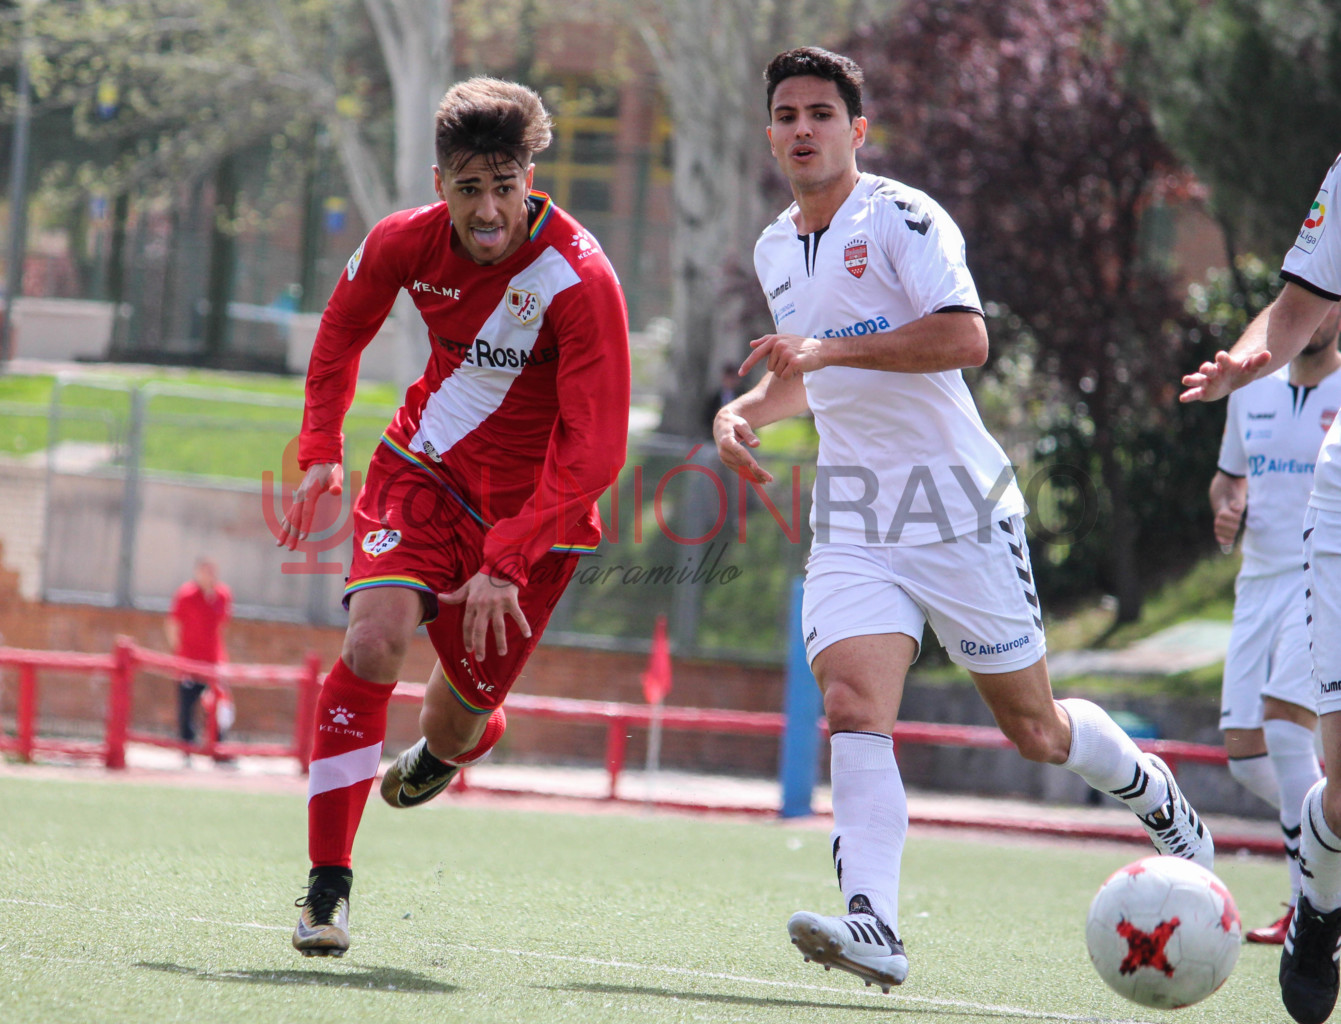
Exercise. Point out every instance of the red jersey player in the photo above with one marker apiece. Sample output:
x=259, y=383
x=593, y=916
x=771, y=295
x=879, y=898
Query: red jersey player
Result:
x=482, y=494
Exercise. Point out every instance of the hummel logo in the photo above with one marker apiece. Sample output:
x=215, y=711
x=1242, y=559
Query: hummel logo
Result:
x=341, y=716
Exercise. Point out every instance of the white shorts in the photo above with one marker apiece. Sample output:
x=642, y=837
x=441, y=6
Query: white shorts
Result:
x=979, y=597
x=1268, y=649
x=1322, y=570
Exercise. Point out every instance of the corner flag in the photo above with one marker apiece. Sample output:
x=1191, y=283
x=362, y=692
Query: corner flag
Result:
x=657, y=678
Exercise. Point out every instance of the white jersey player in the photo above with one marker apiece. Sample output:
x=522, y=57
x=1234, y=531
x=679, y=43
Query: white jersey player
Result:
x=1273, y=429
x=1312, y=273
x=916, y=514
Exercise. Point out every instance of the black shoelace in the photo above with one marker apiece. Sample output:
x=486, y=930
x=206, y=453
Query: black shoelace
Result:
x=324, y=904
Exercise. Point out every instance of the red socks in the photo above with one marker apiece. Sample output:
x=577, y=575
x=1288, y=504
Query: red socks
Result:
x=493, y=732
x=350, y=728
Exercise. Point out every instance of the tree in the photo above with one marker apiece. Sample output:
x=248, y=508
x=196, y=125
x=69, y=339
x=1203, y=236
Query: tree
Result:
x=1013, y=114
x=178, y=86
x=710, y=55
x=1249, y=94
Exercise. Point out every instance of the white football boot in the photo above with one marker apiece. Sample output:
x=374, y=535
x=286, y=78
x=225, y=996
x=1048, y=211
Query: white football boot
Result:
x=858, y=942
x=323, y=926
x=1174, y=827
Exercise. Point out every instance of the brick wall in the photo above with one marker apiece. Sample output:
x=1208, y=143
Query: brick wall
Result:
x=76, y=704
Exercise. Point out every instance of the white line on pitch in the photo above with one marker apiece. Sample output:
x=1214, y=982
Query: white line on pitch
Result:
x=130, y=913
x=1003, y=1010
x=689, y=972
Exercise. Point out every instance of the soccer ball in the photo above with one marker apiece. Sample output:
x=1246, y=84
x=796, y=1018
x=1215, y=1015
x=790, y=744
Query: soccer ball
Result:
x=1163, y=932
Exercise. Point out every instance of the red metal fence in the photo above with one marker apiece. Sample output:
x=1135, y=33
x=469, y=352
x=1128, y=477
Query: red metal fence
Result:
x=121, y=667
x=128, y=659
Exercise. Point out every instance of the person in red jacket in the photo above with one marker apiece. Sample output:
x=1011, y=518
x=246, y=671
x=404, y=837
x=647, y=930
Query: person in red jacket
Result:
x=482, y=494
x=200, y=610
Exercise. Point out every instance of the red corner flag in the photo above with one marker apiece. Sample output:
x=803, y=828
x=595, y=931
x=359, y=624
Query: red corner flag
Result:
x=657, y=678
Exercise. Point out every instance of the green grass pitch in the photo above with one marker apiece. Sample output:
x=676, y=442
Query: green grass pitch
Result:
x=149, y=904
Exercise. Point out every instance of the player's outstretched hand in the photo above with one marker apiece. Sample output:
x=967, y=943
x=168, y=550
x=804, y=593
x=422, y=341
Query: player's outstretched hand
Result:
x=734, y=438
x=787, y=355
x=1213, y=381
x=321, y=478
x=489, y=602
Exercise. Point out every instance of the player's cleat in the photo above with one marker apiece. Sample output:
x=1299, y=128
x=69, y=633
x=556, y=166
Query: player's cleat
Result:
x=1272, y=934
x=858, y=942
x=1308, y=974
x=1174, y=827
x=323, y=926
x=416, y=777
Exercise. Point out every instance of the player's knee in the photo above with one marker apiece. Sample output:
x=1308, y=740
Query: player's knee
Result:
x=848, y=710
x=374, y=652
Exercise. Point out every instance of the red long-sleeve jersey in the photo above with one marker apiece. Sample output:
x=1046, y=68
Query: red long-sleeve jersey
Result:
x=522, y=411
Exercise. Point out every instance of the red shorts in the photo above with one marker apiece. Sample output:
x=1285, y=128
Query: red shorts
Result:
x=410, y=531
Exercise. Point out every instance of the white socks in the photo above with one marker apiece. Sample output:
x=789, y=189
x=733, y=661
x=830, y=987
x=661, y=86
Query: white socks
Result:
x=1319, y=854
x=870, y=820
x=1105, y=757
x=1290, y=748
x=1256, y=774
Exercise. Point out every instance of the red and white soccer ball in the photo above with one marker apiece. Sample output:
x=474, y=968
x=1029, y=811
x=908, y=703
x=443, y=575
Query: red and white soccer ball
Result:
x=1163, y=932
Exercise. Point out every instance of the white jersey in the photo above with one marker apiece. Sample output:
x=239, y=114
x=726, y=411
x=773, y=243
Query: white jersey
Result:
x=904, y=458
x=1273, y=430
x=1314, y=262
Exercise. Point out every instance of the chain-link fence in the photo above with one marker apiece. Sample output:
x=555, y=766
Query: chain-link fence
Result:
x=121, y=486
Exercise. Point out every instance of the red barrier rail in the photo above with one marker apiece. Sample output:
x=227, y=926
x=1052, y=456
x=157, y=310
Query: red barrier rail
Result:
x=127, y=659
x=619, y=717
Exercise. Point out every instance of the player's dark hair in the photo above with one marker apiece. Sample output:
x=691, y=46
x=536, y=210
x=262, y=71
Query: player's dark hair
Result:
x=502, y=121
x=811, y=60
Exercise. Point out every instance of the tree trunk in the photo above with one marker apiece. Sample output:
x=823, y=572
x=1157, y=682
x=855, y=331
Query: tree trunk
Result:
x=1122, y=530
x=116, y=273
x=415, y=37
x=706, y=62
x=222, y=256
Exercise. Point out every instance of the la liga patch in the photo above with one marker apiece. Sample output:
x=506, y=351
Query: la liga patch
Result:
x=1311, y=231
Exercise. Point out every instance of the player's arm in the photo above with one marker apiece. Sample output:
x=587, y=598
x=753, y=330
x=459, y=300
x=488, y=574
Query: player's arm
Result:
x=172, y=629
x=733, y=429
x=1276, y=335
x=950, y=340
x=358, y=306
x=1229, y=499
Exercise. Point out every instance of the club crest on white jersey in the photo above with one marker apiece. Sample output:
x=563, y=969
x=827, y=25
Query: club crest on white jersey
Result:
x=854, y=257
